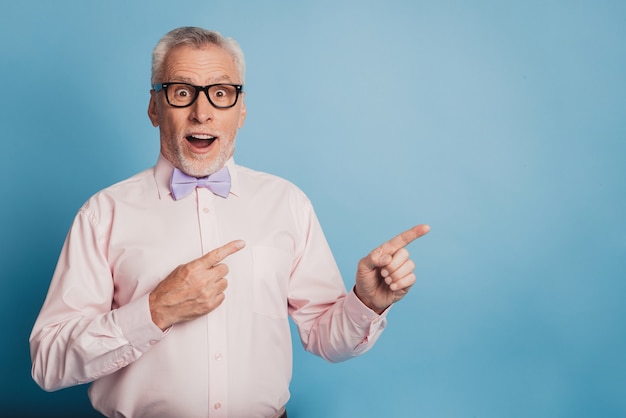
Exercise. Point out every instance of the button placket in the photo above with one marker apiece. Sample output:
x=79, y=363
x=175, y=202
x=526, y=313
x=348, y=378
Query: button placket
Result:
x=216, y=320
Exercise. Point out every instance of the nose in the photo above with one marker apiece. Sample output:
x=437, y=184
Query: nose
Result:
x=202, y=109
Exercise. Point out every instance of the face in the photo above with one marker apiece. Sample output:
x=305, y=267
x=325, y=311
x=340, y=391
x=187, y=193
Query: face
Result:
x=198, y=139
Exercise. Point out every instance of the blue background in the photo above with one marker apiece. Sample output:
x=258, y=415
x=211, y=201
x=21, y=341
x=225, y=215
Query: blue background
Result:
x=499, y=123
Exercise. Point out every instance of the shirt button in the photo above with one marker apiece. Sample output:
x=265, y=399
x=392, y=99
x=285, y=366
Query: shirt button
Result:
x=364, y=317
x=217, y=405
x=218, y=357
x=205, y=210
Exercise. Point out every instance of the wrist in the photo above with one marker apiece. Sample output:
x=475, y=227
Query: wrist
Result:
x=369, y=303
x=154, y=314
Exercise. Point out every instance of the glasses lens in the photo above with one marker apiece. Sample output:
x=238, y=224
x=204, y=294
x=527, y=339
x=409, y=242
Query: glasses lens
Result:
x=223, y=95
x=183, y=95
x=180, y=94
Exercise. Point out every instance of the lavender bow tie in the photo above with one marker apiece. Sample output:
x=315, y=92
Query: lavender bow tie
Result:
x=182, y=185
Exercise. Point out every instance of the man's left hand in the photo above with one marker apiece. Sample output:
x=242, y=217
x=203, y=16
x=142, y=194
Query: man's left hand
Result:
x=385, y=275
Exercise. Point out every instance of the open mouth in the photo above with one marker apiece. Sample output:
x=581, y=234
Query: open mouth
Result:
x=201, y=141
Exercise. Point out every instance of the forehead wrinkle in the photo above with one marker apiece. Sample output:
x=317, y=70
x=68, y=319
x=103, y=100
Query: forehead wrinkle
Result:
x=200, y=65
x=212, y=80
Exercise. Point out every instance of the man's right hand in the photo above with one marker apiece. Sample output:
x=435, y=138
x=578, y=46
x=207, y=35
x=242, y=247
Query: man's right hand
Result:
x=193, y=289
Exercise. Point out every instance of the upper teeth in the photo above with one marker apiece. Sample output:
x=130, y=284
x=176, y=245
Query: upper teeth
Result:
x=202, y=136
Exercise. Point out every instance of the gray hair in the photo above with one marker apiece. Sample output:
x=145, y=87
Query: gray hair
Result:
x=196, y=38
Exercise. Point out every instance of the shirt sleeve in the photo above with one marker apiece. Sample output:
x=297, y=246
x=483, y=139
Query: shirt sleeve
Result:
x=77, y=336
x=332, y=323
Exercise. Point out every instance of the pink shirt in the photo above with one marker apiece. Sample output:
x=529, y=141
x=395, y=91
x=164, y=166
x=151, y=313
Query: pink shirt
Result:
x=95, y=324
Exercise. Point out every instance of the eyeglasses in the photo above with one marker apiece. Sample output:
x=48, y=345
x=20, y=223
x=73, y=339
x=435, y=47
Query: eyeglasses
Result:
x=221, y=96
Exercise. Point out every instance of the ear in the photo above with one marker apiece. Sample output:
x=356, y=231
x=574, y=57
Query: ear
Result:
x=153, y=114
x=242, y=114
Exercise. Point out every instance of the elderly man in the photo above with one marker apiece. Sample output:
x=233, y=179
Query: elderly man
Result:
x=173, y=288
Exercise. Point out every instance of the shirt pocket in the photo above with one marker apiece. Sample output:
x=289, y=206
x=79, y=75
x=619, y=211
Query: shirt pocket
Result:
x=271, y=269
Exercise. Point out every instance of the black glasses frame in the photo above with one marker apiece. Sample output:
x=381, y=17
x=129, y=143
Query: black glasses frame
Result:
x=163, y=86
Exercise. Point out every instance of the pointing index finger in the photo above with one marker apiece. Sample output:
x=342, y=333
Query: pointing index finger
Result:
x=215, y=256
x=404, y=239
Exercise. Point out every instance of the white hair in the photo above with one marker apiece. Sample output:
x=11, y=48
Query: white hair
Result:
x=197, y=38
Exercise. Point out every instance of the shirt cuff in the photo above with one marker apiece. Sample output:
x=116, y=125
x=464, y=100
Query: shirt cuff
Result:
x=362, y=315
x=136, y=324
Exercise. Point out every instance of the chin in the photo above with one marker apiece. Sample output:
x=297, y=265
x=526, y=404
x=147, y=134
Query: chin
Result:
x=200, y=167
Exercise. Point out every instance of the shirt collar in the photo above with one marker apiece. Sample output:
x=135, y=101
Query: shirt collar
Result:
x=163, y=173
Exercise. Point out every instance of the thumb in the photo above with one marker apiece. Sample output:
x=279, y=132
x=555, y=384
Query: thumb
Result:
x=375, y=260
